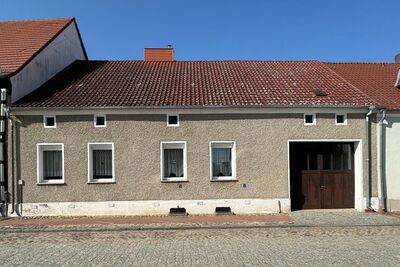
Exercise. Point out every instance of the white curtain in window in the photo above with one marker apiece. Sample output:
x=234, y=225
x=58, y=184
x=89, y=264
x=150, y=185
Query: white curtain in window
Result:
x=52, y=165
x=102, y=164
x=222, y=162
x=173, y=163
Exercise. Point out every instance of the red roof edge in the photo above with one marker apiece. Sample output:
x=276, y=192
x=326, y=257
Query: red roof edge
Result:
x=71, y=20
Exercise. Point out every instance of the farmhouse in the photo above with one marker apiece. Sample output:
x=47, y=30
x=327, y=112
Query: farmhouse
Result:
x=155, y=136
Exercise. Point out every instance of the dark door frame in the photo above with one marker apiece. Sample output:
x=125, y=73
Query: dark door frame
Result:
x=359, y=202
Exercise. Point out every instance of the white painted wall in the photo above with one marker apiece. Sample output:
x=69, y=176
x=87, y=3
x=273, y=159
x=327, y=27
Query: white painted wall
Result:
x=61, y=52
x=392, y=156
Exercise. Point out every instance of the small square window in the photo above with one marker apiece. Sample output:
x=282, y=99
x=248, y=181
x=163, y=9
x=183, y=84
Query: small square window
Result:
x=100, y=121
x=341, y=119
x=172, y=120
x=49, y=121
x=222, y=161
x=101, y=163
x=50, y=163
x=173, y=161
x=309, y=119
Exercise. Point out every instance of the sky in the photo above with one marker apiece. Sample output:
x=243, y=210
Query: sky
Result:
x=326, y=30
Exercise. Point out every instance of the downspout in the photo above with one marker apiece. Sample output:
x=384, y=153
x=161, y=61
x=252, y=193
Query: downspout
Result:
x=11, y=161
x=381, y=165
x=17, y=201
x=3, y=156
x=368, y=158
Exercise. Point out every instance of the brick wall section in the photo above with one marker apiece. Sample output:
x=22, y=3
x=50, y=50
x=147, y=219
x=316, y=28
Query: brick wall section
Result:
x=158, y=54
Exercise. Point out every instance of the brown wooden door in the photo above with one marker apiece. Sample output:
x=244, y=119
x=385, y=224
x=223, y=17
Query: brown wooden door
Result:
x=328, y=183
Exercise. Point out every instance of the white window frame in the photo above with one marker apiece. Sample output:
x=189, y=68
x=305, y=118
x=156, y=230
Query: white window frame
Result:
x=344, y=116
x=91, y=147
x=95, y=120
x=40, y=147
x=172, y=125
x=49, y=116
x=223, y=144
x=314, y=118
x=173, y=145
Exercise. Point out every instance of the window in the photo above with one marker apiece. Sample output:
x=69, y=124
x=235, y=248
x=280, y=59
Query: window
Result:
x=100, y=121
x=50, y=163
x=172, y=120
x=222, y=161
x=309, y=119
x=49, y=121
x=173, y=161
x=341, y=119
x=101, y=163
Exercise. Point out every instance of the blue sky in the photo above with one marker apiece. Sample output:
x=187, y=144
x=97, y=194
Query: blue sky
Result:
x=340, y=30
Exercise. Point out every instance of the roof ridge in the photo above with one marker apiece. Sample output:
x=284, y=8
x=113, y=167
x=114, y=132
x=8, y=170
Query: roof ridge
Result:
x=355, y=62
x=207, y=61
x=38, y=20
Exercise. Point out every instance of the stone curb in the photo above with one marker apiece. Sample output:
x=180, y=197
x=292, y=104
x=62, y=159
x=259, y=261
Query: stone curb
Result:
x=102, y=228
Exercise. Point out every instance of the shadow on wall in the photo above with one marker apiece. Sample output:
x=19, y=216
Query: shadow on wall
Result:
x=66, y=78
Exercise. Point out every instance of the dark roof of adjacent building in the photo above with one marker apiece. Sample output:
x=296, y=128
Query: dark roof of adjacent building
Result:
x=195, y=84
x=21, y=41
x=377, y=80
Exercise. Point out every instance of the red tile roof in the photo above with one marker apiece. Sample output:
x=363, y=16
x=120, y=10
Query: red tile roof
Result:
x=20, y=41
x=374, y=79
x=195, y=83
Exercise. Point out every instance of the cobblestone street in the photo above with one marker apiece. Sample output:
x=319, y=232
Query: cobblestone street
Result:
x=340, y=246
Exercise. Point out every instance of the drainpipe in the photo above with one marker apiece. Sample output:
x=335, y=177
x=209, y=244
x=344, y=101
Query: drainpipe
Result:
x=3, y=113
x=381, y=164
x=16, y=201
x=368, y=158
x=12, y=167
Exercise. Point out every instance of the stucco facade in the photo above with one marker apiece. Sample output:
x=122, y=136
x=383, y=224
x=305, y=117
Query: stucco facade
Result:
x=261, y=155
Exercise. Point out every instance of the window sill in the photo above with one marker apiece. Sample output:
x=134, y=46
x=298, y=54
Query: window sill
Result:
x=175, y=181
x=224, y=180
x=101, y=182
x=51, y=183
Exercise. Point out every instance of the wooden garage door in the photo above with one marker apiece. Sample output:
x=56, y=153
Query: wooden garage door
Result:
x=327, y=180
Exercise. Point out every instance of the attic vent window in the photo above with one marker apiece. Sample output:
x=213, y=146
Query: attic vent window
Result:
x=320, y=92
x=173, y=120
x=49, y=121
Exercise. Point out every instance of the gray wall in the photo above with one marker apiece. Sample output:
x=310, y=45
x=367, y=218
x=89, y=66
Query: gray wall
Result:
x=261, y=149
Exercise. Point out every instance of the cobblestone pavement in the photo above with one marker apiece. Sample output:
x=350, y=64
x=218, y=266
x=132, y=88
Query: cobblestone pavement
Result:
x=338, y=246
x=342, y=218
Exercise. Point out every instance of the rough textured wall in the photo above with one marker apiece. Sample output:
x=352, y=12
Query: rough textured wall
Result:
x=261, y=154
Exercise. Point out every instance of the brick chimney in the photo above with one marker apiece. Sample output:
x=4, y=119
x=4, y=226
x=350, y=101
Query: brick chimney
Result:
x=159, y=54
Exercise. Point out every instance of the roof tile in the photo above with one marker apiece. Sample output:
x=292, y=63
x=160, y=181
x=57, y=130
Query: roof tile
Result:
x=377, y=80
x=195, y=84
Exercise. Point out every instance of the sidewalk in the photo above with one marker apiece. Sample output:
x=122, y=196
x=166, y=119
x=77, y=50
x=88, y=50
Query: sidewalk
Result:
x=309, y=218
